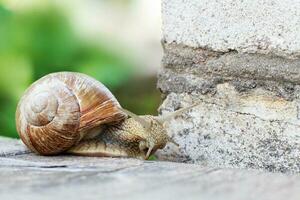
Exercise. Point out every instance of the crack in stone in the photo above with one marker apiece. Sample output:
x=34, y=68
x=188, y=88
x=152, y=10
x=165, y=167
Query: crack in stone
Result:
x=69, y=168
x=248, y=114
x=11, y=154
x=170, y=80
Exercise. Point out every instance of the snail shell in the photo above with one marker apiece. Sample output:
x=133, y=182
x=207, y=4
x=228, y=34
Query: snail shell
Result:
x=60, y=109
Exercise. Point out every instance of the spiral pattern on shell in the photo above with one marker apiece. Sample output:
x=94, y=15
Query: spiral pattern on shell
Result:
x=59, y=109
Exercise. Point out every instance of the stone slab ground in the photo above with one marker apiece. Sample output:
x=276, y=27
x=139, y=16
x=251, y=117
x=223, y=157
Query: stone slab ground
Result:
x=24, y=175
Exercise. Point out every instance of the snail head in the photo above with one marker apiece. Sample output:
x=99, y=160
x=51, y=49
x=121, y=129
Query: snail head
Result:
x=154, y=132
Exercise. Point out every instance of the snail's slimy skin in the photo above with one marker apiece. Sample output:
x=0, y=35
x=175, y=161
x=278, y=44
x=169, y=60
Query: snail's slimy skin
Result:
x=126, y=139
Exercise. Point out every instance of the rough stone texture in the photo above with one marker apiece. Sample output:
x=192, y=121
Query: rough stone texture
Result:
x=230, y=65
x=27, y=176
x=228, y=130
x=248, y=114
x=247, y=26
x=225, y=55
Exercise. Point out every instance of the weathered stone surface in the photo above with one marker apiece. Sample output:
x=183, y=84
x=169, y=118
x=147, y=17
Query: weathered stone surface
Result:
x=248, y=115
x=246, y=26
x=28, y=176
x=244, y=72
x=255, y=130
x=231, y=65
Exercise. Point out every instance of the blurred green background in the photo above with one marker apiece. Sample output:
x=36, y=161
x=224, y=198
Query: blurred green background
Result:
x=39, y=38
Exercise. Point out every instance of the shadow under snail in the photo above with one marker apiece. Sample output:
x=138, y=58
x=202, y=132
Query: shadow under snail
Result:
x=69, y=112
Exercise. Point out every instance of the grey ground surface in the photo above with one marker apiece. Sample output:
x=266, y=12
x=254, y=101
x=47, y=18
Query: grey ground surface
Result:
x=24, y=175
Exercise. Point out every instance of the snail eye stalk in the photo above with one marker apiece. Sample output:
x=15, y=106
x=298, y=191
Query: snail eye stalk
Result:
x=166, y=118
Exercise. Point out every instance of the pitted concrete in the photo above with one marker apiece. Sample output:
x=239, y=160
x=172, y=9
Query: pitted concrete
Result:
x=248, y=116
x=254, y=130
x=230, y=65
x=257, y=26
x=241, y=61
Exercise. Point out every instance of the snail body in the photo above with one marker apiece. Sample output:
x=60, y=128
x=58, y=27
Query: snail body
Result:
x=126, y=139
x=69, y=112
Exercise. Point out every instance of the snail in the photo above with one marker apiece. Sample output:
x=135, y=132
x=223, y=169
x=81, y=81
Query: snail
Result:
x=68, y=112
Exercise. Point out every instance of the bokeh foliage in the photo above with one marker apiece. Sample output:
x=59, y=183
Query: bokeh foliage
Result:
x=37, y=42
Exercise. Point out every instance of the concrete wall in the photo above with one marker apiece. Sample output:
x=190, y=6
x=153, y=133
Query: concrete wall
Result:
x=241, y=61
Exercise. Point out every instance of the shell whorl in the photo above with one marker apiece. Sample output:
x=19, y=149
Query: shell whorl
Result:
x=59, y=109
x=42, y=108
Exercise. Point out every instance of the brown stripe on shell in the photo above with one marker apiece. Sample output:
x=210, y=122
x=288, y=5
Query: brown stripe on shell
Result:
x=97, y=103
x=56, y=141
